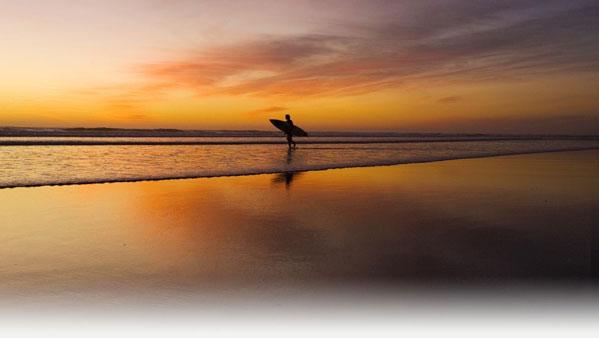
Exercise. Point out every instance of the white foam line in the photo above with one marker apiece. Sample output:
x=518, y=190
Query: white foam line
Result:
x=279, y=170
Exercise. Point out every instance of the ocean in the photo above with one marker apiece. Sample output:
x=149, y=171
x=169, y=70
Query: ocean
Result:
x=40, y=161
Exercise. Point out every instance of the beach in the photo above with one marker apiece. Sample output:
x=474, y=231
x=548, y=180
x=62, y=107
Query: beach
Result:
x=299, y=168
x=485, y=221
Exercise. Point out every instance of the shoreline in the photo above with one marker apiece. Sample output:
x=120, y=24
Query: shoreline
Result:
x=324, y=168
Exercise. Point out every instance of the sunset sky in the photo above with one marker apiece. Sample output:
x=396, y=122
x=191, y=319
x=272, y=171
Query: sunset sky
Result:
x=444, y=66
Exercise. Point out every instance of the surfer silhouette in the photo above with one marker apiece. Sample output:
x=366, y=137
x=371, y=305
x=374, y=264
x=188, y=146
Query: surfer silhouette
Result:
x=289, y=130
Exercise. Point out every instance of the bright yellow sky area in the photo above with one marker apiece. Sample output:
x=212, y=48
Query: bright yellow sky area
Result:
x=444, y=66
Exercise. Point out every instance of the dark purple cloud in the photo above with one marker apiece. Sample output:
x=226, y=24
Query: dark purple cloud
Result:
x=464, y=41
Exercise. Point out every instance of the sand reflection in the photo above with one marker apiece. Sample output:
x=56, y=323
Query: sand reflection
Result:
x=501, y=218
x=465, y=219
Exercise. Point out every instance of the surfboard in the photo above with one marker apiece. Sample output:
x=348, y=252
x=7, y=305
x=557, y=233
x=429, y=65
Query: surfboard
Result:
x=284, y=127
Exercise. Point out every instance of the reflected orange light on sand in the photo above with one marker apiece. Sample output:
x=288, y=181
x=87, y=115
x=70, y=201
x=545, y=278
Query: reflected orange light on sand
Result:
x=434, y=220
x=261, y=217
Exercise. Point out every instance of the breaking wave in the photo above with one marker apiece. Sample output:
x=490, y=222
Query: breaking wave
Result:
x=43, y=165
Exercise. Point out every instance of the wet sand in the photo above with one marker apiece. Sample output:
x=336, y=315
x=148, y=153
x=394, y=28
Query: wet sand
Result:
x=489, y=221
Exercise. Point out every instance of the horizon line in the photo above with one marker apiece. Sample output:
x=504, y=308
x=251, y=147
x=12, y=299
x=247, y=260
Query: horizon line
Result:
x=24, y=129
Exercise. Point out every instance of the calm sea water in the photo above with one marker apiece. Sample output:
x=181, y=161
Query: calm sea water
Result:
x=37, y=165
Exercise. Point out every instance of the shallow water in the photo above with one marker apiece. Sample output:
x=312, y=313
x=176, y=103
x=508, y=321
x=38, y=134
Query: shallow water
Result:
x=40, y=165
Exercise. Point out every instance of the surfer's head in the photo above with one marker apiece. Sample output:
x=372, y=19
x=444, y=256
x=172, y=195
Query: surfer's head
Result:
x=287, y=117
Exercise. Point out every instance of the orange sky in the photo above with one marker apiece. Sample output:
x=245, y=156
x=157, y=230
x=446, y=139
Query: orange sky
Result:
x=452, y=66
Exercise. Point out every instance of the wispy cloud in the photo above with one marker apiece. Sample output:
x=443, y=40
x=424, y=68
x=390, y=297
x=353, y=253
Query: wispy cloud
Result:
x=450, y=99
x=267, y=110
x=462, y=41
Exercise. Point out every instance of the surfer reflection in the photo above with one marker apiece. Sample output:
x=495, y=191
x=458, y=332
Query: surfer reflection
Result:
x=289, y=131
x=289, y=156
x=286, y=177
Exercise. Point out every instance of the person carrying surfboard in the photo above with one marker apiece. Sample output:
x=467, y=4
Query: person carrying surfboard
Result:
x=289, y=131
